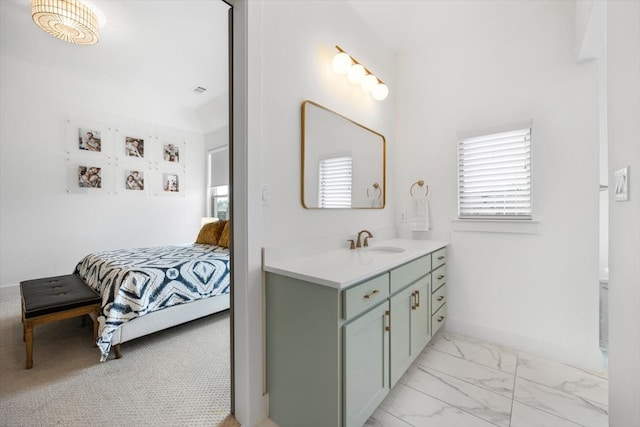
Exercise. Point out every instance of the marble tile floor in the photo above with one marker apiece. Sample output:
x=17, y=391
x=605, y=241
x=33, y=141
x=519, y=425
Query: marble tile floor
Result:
x=462, y=382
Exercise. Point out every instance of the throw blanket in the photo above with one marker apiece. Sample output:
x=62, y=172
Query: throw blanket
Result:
x=133, y=282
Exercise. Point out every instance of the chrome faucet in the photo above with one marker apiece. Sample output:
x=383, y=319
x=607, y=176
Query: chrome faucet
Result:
x=366, y=239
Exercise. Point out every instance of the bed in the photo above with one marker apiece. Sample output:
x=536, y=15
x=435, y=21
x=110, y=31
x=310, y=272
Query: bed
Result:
x=149, y=289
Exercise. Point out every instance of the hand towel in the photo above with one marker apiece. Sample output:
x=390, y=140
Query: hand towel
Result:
x=419, y=217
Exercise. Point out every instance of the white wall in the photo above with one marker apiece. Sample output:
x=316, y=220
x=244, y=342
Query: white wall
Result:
x=298, y=43
x=289, y=50
x=537, y=292
x=623, y=83
x=216, y=139
x=45, y=231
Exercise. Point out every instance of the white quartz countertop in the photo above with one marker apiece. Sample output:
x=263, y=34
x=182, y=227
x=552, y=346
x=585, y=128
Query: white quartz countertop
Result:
x=342, y=268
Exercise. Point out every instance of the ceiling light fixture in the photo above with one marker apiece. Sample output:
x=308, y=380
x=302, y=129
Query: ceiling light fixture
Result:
x=69, y=20
x=343, y=63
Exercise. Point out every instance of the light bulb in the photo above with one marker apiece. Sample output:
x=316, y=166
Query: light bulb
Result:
x=356, y=73
x=368, y=83
x=341, y=63
x=380, y=92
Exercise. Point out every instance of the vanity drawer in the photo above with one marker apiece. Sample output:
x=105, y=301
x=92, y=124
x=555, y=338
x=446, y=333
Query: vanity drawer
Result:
x=438, y=319
x=438, y=298
x=409, y=273
x=439, y=257
x=439, y=277
x=364, y=296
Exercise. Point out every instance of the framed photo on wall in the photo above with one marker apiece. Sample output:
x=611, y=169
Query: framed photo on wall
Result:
x=92, y=176
x=170, y=183
x=132, y=144
x=171, y=152
x=89, y=176
x=134, y=180
x=89, y=138
x=134, y=147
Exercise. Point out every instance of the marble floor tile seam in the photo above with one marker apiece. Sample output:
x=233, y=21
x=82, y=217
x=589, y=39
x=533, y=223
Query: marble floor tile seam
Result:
x=474, y=415
x=591, y=401
x=498, y=355
x=602, y=375
x=452, y=405
x=513, y=390
x=481, y=366
x=428, y=349
x=565, y=418
x=560, y=403
x=469, y=413
x=561, y=390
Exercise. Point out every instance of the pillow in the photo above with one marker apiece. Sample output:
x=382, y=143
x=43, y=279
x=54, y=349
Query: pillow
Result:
x=225, y=236
x=210, y=233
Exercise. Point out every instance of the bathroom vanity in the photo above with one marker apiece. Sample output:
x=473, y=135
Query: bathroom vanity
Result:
x=343, y=326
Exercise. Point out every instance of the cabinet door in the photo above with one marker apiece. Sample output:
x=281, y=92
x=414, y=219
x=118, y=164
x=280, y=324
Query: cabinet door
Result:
x=420, y=316
x=410, y=332
x=366, y=365
x=401, y=307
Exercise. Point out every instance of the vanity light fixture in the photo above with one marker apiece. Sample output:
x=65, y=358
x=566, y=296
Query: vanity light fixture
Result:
x=73, y=21
x=343, y=63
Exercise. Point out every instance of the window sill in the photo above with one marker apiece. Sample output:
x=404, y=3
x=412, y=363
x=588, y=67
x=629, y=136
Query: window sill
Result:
x=496, y=226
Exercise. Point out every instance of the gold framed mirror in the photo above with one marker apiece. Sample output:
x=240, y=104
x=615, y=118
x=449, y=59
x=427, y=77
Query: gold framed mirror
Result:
x=343, y=162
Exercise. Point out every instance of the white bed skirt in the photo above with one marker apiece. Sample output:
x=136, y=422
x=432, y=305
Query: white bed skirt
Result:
x=168, y=317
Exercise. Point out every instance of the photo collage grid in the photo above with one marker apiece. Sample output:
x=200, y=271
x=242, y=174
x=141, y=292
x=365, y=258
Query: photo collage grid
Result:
x=123, y=161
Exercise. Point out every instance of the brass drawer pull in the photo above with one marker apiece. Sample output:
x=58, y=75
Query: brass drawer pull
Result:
x=388, y=327
x=367, y=296
x=440, y=277
x=417, y=298
x=441, y=297
x=441, y=257
x=440, y=319
x=413, y=301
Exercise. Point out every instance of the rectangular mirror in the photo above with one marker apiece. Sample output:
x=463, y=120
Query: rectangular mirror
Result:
x=343, y=162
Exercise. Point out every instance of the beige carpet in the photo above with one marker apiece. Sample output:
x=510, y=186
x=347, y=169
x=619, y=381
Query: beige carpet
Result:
x=177, y=377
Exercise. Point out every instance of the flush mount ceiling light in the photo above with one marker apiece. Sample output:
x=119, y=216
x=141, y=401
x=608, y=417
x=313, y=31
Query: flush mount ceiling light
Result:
x=343, y=63
x=69, y=20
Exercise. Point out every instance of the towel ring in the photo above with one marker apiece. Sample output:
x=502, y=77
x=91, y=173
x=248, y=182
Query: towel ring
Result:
x=419, y=183
x=377, y=187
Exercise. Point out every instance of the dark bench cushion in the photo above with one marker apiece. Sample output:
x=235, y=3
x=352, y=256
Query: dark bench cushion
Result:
x=55, y=294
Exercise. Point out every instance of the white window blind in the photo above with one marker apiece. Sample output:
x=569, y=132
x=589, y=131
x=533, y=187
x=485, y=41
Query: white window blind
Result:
x=335, y=182
x=494, y=175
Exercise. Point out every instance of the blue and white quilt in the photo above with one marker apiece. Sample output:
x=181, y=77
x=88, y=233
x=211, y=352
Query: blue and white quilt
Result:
x=133, y=282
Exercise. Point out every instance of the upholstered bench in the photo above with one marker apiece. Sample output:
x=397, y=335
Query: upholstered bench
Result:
x=55, y=298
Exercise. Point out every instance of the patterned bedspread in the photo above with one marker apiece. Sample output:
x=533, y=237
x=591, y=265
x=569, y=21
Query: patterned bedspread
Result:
x=133, y=282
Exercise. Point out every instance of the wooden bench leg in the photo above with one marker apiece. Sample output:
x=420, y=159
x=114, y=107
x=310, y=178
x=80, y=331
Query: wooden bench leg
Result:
x=28, y=335
x=96, y=312
x=117, y=351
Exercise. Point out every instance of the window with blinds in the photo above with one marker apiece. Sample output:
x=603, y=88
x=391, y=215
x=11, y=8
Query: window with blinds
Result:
x=494, y=175
x=334, y=188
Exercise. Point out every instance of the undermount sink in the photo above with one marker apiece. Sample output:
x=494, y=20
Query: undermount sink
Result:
x=384, y=249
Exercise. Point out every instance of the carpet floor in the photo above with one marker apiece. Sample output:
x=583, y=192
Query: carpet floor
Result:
x=176, y=377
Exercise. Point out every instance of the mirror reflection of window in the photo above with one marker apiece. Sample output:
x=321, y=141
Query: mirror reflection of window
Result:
x=218, y=183
x=329, y=135
x=335, y=182
x=219, y=202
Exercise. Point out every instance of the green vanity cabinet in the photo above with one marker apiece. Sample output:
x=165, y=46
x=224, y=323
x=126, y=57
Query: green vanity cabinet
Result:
x=420, y=318
x=410, y=330
x=366, y=364
x=334, y=353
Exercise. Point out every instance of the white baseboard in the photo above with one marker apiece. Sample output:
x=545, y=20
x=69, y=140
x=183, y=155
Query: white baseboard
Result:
x=584, y=358
x=10, y=285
